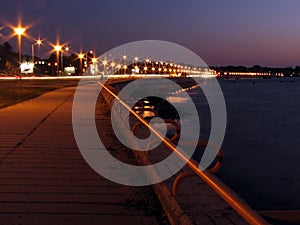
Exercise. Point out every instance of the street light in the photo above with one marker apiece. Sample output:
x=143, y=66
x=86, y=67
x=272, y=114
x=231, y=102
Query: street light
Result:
x=124, y=62
x=119, y=66
x=104, y=66
x=94, y=60
x=20, y=31
x=62, y=56
x=124, y=67
x=112, y=67
x=135, y=62
x=57, y=48
x=80, y=56
x=38, y=42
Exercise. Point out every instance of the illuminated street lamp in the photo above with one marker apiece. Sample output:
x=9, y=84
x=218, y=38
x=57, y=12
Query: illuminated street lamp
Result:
x=136, y=69
x=124, y=59
x=112, y=67
x=80, y=56
x=38, y=42
x=124, y=62
x=104, y=66
x=124, y=67
x=119, y=66
x=62, y=56
x=20, y=31
x=57, y=48
x=135, y=61
x=94, y=60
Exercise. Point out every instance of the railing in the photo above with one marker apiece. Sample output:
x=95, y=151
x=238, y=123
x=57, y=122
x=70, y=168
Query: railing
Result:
x=248, y=214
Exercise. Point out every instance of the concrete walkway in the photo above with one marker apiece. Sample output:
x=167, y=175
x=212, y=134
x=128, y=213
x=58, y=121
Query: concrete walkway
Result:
x=43, y=178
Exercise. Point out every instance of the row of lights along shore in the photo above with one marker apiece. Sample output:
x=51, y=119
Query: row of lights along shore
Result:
x=108, y=65
x=20, y=31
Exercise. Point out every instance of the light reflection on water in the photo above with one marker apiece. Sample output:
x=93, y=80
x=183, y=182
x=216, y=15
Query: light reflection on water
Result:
x=175, y=99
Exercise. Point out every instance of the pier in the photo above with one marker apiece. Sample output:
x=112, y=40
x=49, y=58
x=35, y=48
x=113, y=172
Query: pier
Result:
x=44, y=178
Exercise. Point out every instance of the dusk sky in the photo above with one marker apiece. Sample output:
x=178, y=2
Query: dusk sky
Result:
x=231, y=32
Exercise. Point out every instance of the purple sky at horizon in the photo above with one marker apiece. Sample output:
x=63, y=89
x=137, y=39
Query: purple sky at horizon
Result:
x=230, y=32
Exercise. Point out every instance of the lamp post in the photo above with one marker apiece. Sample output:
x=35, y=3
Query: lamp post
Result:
x=124, y=63
x=104, y=66
x=38, y=42
x=94, y=60
x=57, y=48
x=135, y=64
x=112, y=67
x=136, y=59
x=20, y=31
x=80, y=56
x=125, y=68
x=62, y=57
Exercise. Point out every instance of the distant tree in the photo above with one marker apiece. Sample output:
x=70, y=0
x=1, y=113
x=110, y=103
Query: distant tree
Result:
x=288, y=71
x=52, y=58
x=255, y=68
x=297, y=71
x=7, y=47
x=8, y=58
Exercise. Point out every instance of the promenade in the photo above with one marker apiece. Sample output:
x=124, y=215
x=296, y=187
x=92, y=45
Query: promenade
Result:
x=44, y=179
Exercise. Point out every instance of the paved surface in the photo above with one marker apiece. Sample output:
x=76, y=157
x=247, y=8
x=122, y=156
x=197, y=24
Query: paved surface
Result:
x=43, y=178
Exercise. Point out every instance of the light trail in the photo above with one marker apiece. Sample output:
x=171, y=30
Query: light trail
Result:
x=223, y=191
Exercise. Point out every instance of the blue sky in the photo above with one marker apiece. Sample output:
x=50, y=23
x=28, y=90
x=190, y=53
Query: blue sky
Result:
x=220, y=32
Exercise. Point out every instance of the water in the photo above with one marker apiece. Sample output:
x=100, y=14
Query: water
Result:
x=262, y=141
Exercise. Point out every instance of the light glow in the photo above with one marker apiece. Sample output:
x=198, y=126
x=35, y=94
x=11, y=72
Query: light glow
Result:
x=19, y=30
x=39, y=42
x=80, y=55
x=57, y=47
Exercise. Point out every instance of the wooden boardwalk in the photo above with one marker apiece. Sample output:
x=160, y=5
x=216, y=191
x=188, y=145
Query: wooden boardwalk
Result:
x=44, y=179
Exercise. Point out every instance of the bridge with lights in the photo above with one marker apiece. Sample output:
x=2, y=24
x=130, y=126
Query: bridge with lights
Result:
x=137, y=66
